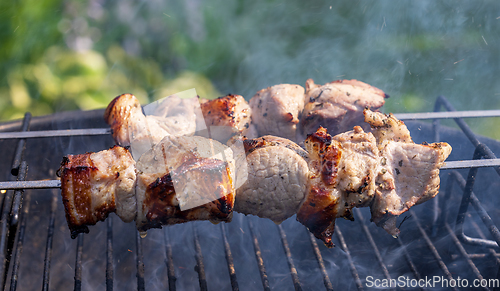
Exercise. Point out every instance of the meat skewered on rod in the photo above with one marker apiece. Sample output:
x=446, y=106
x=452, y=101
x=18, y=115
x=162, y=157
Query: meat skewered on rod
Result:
x=384, y=170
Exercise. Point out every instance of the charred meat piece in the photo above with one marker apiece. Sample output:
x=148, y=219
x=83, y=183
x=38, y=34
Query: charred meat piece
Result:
x=277, y=178
x=323, y=202
x=227, y=116
x=276, y=110
x=408, y=172
x=338, y=105
x=181, y=179
x=96, y=184
x=342, y=176
x=184, y=179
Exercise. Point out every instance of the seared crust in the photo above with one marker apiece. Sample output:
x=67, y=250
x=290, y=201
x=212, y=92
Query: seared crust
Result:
x=231, y=111
x=163, y=205
x=338, y=105
x=89, y=183
x=200, y=170
x=322, y=204
x=119, y=113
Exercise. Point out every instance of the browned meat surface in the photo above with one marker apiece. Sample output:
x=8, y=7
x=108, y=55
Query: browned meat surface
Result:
x=179, y=178
x=204, y=182
x=323, y=201
x=183, y=179
x=277, y=109
x=169, y=116
x=408, y=173
x=96, y=184
x=120, y=114
x=277, y=178
x=338, y=106
x=228, y=115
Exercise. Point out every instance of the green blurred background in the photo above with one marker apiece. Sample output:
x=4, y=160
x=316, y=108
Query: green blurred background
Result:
x=77, y=55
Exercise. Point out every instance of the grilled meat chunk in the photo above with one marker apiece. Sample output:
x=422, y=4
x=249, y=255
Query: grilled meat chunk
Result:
x=96, y=184
x=276, y=110
x=227, y=116
x=338, y=105
x=277, y=178
x=169, y=116
x=183, y=179
x=323, y=201
x=408, y=172
x=342, y=176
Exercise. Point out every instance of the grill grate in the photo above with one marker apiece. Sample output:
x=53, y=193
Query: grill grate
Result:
x=16, y=206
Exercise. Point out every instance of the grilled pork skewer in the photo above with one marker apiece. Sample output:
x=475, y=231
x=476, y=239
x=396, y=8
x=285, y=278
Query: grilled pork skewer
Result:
x=156, y=190
x=385, y=171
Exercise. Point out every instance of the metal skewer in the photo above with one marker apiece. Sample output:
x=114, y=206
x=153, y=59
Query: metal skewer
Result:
x=50, y=184
x=105, y=131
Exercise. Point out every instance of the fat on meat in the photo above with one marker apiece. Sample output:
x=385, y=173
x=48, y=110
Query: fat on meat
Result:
x=276, y=110
x=96, y=184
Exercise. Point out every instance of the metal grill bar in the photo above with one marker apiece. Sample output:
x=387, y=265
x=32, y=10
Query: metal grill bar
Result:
x=48, y=247
x=288, y=253
x=109, y=254
x=456, y=177
x=373, y=244
x=170, y=262
x=258, y=256
x=492, y=252
x=200, y=265
x=410, y=261
x=16, y=162
x=344, y=247
x=140, y=263
x=321, y=263
x=7, y=229
x=229, y=259
x=464, y=253
x=19, y=244
x=433, y=249
x=78, y=263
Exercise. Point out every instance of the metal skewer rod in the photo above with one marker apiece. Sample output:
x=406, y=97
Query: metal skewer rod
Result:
x=448, y=114
x=54, y=133
x=105, y=131
x=51, y=184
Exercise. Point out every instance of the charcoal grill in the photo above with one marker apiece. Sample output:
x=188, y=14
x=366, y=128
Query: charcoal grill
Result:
x=453, y=236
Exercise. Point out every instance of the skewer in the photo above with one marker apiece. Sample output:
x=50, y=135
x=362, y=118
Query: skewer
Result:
x=105, y=131
x=51, y=184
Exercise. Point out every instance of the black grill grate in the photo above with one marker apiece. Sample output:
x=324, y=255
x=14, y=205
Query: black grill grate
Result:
x=364, y=243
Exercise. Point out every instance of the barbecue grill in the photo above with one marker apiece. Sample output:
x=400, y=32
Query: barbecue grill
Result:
x=454, y=236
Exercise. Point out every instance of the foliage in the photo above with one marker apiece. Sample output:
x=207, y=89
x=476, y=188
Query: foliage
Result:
x=63, y=55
